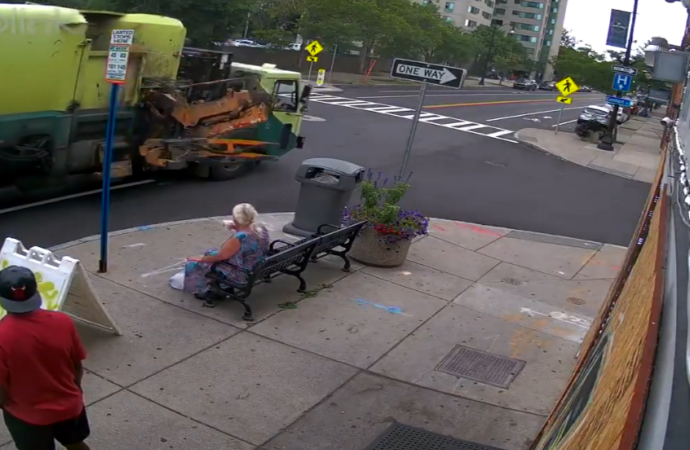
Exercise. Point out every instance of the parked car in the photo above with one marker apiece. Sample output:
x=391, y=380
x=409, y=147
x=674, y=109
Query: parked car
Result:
x=585, y=89
x=547, y=86
x=602, y=114
x=525, y=84
x=247, y=43
x=294, y=46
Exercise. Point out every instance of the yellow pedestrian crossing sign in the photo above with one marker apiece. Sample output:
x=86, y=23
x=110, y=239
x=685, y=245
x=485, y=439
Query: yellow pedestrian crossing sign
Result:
x=314, y=48
x=567, y=86
x=566, y=100
x=312, y=59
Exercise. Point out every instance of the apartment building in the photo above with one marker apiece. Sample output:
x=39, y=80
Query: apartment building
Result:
x=538, y=25
x=467, y=14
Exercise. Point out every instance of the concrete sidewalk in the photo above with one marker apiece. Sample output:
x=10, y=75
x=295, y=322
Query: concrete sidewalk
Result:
x=333, y=368
x=635, y=156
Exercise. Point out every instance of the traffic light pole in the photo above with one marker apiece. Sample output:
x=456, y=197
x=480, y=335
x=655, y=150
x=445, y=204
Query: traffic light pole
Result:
x=607, y=140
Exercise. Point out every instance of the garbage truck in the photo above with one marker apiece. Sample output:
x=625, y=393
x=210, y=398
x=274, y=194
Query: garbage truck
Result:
x=181, y=108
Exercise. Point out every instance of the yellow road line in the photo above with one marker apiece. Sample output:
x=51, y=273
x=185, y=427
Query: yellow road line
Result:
x=500, y=102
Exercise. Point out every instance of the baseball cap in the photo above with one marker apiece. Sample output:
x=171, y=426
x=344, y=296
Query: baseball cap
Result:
x=19, y=290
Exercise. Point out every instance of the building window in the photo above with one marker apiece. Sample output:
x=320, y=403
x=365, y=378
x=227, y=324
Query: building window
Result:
x=529, y=51
x=450, y=6
x=489, y=3
x=526, y=15
x=497, y=22
x=526, y=26
x=470, y=24
x=448, y=18
x=529, y=4
x=555, y=9
x=499, y=12
x=473, y=10
x=550, y=32
x=553, y=21
x=486, y=15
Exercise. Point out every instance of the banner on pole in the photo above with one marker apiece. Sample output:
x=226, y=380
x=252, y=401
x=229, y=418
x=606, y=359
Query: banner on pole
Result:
x=619, y=25
x=63, y=283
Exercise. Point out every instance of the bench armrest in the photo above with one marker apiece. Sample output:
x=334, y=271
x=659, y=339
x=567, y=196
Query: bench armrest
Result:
x=279, y=241
x=326, y=225
x=232, y=266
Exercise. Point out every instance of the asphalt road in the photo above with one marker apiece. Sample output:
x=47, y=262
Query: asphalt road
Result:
x=459, y=175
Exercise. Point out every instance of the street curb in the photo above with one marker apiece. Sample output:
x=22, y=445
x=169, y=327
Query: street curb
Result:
x=541, y=149
x=581, y=243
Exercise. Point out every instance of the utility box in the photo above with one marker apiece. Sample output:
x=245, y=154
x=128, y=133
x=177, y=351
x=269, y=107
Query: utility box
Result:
x=327, y=186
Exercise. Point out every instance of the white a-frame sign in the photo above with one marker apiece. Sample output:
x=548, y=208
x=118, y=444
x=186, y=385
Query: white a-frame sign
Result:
x=63, y=283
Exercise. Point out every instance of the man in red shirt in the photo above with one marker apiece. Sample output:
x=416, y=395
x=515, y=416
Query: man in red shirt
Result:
x=40, y=369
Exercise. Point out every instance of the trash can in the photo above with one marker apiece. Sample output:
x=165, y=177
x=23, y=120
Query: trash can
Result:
x=327, y=186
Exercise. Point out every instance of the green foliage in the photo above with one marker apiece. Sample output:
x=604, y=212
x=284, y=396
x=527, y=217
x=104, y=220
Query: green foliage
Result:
x=385, y=28
x=587, y=67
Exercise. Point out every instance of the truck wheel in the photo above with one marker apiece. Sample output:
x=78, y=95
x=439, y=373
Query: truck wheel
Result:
x=230, y=171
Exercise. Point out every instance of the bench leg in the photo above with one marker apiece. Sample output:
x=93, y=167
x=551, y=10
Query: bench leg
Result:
x=248, y=315
x=343, y=255
x=298, y=275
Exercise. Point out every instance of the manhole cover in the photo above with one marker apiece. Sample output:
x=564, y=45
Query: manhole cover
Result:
x=404, y=437
x=513, y=281
x=575, y=300
x=481, y=366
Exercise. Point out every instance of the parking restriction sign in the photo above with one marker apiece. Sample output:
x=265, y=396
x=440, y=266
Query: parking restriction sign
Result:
x=118, y=56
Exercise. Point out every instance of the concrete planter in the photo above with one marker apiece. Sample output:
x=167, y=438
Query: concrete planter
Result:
x=371, y=249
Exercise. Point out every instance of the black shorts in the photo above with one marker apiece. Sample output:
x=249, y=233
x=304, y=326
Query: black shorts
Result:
x=42, y=437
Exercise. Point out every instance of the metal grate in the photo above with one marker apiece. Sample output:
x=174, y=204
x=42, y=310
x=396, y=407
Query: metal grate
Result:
x=480, y=366
x=404, y=437
x=510, y=280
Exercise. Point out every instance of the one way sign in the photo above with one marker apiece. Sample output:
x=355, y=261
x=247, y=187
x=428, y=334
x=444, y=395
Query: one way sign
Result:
x=422, y=72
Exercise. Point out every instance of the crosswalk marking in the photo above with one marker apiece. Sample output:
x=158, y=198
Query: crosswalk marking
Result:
x=452, y=123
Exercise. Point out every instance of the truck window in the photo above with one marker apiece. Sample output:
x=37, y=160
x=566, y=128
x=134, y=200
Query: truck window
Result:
x=285, y=95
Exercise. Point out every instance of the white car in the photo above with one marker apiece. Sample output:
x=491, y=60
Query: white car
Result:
x=601, y=114
x=246, y=43
x=294, y=46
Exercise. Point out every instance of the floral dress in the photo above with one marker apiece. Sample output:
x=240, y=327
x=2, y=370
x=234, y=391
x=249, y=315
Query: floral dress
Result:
x=253, y=249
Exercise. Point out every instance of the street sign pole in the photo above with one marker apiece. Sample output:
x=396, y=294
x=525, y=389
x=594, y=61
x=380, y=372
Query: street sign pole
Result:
x=424, y=73
x=115, y=74
x=107, y=173
x=330, y=72
x=413, y=130
x=560, y=115
x=607, y=140
x=311, y=64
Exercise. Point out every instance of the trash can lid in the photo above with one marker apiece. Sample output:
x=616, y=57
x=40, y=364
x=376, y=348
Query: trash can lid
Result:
x=334, y=165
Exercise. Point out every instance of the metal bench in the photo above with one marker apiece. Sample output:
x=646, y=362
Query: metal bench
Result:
x=283, y=258
x=291, y=261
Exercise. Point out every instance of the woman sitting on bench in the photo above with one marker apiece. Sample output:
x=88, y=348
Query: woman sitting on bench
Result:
x=244, y=249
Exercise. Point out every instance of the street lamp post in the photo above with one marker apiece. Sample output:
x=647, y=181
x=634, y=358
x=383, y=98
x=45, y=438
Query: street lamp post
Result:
x=490, y=53
x=607, y=139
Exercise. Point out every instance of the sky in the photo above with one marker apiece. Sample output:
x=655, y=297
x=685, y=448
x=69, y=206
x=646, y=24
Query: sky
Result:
x=588, y=20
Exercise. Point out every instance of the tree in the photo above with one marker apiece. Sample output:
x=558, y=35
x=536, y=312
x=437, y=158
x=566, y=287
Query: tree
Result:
x=206, y=22
x=568, y=40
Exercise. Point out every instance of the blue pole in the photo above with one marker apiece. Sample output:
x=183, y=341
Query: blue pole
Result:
x=107, y=161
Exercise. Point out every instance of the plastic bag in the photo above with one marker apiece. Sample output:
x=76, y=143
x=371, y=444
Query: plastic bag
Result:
x=326, y=178
x=177, y=281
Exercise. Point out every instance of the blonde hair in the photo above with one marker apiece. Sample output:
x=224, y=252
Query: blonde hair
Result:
x=245, y=214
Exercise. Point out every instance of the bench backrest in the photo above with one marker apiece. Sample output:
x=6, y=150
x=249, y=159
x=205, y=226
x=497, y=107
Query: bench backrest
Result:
x=297, y=255
x=338, y=238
